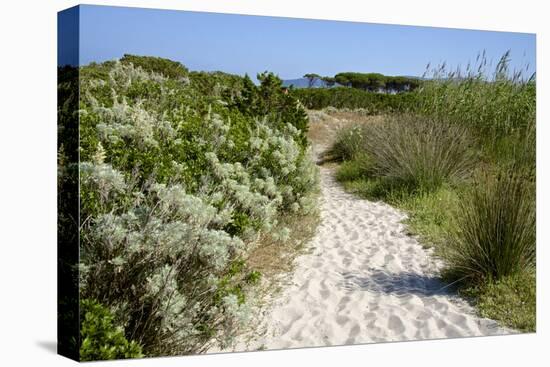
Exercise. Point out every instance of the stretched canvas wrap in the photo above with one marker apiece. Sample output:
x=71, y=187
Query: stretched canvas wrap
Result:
x=241, y=183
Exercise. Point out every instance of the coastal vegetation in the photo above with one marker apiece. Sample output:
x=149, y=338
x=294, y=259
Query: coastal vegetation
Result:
x=458, y=155
x=181, y=174
x=197, y=189
x=352, y=98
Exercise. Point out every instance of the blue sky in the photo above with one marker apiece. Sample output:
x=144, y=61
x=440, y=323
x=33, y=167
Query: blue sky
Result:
x=289, y=47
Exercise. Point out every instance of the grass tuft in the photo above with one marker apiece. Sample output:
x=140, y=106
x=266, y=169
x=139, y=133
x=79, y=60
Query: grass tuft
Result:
x=405, y=152
x=348, y=144
x=419, y=153
x=495, y=234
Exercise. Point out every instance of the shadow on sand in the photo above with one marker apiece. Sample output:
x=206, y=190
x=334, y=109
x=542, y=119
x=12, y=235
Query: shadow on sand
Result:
x=400, y=284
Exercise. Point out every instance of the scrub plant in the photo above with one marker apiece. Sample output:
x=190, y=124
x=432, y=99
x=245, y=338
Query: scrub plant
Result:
x=177, y=182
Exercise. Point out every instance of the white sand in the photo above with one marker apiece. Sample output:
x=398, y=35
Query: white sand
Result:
x=364, y=281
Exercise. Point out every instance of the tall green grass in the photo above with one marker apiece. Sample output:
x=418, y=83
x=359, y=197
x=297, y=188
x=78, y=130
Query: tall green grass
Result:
x=495, y=234
x=347, y=145
x=418, y=153
x=498, y=106
x=406, y=151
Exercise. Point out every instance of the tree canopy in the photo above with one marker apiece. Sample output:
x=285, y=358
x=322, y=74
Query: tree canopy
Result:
x=312, y=78
x=329, y=81
x=376, y=82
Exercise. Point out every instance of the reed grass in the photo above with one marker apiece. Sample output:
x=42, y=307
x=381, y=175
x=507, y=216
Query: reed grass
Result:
x=418, y=153
x=495, y=234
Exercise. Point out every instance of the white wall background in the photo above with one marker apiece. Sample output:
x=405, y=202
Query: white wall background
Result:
x=28, y=181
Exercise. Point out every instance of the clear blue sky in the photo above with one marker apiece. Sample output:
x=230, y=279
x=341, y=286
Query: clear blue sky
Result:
x=289, y=47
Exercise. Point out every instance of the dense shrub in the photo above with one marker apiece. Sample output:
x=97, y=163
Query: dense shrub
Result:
x=176, y=183
x=101, y=339
x=342, y=97
x=271, y=100
x=67, y=211
x=495, y=234
x=168, y=68
x=157, y=261
x=218, y=85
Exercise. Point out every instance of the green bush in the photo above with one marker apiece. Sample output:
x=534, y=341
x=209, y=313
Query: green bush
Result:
x=100, y=338
x=272, y=101
x=176, y=182
x=495, y=234
x=217, y=85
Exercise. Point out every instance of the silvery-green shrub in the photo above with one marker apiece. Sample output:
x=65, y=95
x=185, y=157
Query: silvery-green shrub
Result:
x=175, y=184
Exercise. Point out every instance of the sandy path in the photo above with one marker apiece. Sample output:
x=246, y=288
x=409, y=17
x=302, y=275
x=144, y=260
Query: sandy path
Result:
x=364, y=281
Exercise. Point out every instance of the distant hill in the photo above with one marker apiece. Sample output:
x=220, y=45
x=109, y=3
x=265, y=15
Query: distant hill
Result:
x=302, y=83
